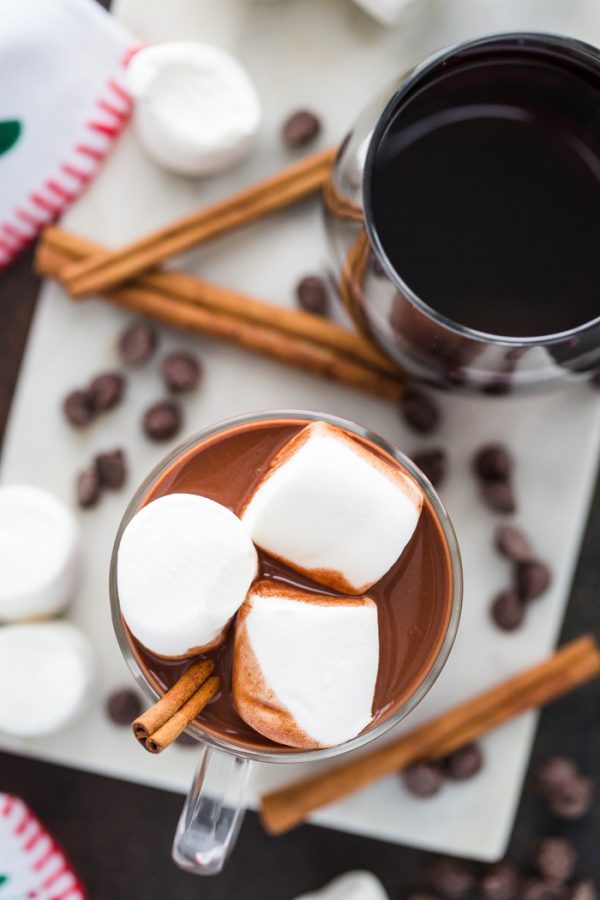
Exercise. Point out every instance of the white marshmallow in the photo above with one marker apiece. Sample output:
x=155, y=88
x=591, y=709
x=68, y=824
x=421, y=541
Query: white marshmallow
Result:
x=351, y=886
x=39, y=553
x=305, y=665
x=196, y=110
x=184, y=567
x=46, y=673
x=333, y=510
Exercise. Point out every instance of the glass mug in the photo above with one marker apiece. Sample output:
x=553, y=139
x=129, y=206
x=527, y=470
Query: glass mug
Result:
x=213, y=813
x=429, y=345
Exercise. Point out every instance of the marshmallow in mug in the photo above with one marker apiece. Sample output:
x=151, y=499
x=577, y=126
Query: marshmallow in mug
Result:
x=333, y=510
x=196, y=109
x=46, y=674
x=357, y=885
x=185, y=564
x=305, y=665
x=39, y=553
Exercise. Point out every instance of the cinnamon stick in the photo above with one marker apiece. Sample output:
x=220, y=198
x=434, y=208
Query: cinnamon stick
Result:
x=155, y=717
x=569, y=667
x=327, y=361
x=109, y=268
x=224, y=300
x=179, y=721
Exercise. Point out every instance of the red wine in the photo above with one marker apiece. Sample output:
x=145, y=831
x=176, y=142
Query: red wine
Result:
x=483, y=187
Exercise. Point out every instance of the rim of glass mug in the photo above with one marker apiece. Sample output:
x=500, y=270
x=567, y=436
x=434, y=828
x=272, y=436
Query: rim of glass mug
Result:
x=422, y=69
x=276, y=755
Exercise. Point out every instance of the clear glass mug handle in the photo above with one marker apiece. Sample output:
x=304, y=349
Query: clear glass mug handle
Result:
x=213, y=813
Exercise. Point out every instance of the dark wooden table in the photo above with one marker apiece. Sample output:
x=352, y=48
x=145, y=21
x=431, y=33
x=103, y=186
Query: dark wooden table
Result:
x=118, y=835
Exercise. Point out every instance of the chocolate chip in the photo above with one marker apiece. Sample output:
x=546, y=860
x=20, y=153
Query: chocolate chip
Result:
x=464, y=763
x=507, y=610
x=186, y=740
x=583, y=890
x=512, y=543
x=499, y=496
x=137, y=344
x=432, y=463
x=181, y=372
x=376, y=267
x=162, y=420
x=453, y=878
x=533, y=578
x=311, y=294
x=554, y=772
x=572, y=799
x=77, y=407
x=556, y=858
x=543, y=889
x=423, y=779
x=419, y=410
x=88, y=488
x=111, y=468
x=500, y=882
x=595, y=380
x=300, y=128
x=123, y=706
x=498, y=386
x=493, y=462
x=106, y=390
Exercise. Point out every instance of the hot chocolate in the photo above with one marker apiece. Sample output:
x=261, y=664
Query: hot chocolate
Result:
x=413, y=598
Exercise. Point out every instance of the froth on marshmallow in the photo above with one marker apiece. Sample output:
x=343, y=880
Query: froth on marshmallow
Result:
x=39, y=553
x=184, y=566
x=46, y=673
x=333, y=510
x=305, y=665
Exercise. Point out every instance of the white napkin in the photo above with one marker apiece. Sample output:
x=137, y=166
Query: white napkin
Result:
x=351, y=886
x=62, y=103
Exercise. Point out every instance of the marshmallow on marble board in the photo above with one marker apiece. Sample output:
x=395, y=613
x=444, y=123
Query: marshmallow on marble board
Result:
x=184, y=567
x=46, y=674
x=196, y=109
x=358, y=885
x=39, y=553
x=391, y=12
x=305, y=665
x=333, y=510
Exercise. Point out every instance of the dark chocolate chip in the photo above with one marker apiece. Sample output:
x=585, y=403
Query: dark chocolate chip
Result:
x=543, y=889
x=419, y=410
x=595, y=380
x=137, y=344
x=376, y=267
x=88, y=488
x=507, y=610
x=423, y=779
x=432, y=463
x=498, y=386
x=300, y=128
x=77, y=407
x=123, y=706
x=554, y=772
x=556, y=858
x=464, y=763
x=311, y=293
x=106, y=390
x=493, y=462
x=111, y=468
x=572, y=799
x=453, y=878
x=186, y=740
x=533, y=578
x=500, y=882
x=583, y=890
x=162, y=420
x=181, y=372
x=514, y=544
x=499, y=496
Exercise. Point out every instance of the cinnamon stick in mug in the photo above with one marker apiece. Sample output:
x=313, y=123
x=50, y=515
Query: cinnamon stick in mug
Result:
x=175, y=698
